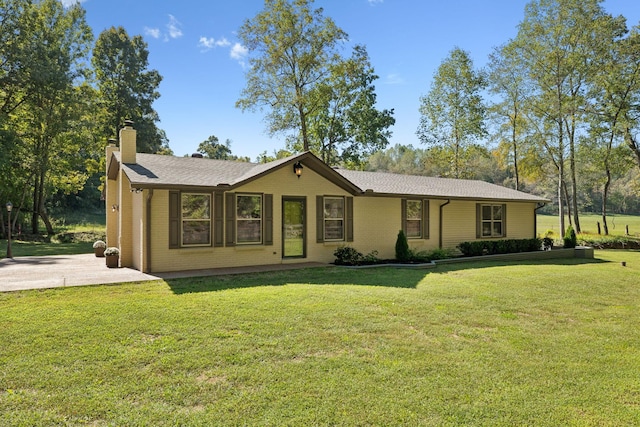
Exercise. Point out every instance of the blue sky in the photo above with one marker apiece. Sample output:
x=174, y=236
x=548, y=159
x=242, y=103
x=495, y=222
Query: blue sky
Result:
x=194, y=46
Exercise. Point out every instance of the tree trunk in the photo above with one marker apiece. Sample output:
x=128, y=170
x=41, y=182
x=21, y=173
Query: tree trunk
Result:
x=567, y=201
x=574, y=181
x=605, y=196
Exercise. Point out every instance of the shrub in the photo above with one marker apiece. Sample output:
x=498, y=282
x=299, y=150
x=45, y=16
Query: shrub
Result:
x=402, y=247
x=570, y=238
x=440, y=253
x=370, y=258
x=99, y=244
x=491, y=247
x=346, y=255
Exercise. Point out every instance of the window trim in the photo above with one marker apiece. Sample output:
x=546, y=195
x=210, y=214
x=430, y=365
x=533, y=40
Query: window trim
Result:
x=182, y=221
x=325, y=219
x=424, y=218
x=480, y=221
x=262, y=218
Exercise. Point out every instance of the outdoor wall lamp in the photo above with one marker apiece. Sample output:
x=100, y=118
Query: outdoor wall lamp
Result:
x=9, y=209
x=297, y=169
x=136, y=190
x=115, y=208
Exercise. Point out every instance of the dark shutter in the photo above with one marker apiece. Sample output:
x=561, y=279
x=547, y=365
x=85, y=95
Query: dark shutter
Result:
x=403, y=215
x=230, y=219
x=218, y=219
x=319, y=219
x=478, y=220
x=425, y=219
x=349, y=202
x=174, y=219
x=268, y=219
x=504, y=220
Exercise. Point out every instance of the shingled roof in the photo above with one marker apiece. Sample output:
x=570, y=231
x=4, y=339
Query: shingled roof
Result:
x=157, y=171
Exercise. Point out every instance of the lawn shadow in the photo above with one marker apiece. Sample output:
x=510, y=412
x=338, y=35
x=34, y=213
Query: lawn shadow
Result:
x=394, y=277
x=328, y=275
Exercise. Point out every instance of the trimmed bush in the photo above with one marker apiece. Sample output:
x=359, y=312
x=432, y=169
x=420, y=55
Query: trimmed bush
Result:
x=494, y=247
x=402, y=247
x=570, y=238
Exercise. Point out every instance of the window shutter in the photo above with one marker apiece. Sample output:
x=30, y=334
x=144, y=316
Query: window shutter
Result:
x=218, y=219
x=349, y=202
x=504, y=220
x=230, y=219
x=403, y=215
x=478, y=220
x=425, y=219
x=319, y=219
x=268, y=219
x=174, y=219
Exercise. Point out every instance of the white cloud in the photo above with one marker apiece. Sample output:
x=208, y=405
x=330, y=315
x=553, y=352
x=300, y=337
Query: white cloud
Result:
x=239, y=52
x=374, y=2
x=210, y=43
x=69, y=3
x=152, y=32
x=174, y=27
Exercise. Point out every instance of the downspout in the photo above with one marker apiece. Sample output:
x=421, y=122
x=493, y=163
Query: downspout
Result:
x=147, y=239
x=440, y=219
x=535, y=218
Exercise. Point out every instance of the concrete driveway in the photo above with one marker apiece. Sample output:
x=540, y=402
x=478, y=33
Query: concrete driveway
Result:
x=40, y=272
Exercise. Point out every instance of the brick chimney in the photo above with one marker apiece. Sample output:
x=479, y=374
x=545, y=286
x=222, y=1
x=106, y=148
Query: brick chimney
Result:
x=128, y=143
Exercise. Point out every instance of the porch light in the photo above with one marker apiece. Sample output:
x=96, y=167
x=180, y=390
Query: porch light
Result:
x=297, y=169
x=115, y=208
x=9, y=209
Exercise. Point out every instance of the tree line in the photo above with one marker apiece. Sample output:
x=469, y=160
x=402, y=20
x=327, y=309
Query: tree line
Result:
x=554, y=112
x=62, y=96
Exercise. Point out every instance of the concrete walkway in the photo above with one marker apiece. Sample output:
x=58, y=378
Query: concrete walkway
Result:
x=41, y=272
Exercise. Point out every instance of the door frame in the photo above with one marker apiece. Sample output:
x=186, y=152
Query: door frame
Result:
x=303, y=200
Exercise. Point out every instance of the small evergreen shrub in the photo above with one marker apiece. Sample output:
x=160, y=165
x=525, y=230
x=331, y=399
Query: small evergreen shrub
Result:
x=402, y=247
x=570, y=238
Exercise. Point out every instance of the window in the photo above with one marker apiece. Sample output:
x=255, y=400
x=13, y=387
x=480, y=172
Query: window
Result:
x=333, y=218
x=492, y=220
x=196, y=219
x=249, y=218
x=414, y=219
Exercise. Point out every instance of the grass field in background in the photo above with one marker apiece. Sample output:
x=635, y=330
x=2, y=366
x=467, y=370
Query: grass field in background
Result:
x=589, y=224
x=549, y=343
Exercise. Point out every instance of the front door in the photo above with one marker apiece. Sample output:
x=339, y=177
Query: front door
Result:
x=293, y=227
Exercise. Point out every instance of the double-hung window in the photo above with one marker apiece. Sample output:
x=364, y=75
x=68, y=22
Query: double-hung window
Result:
x=249, y=218
x=333, y=218
x=415, y=218
x=196, y=219
x=492, y=219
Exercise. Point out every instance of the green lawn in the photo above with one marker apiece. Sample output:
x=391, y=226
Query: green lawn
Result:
x=589, y=224
x=553, y=343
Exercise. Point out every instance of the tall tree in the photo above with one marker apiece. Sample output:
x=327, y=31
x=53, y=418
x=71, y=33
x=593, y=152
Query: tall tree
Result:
x=347, y=126
x=293, y=50
x=452, y=114
x=509, y=82
x=557, y=43
x=127, y=87
x=60, y=53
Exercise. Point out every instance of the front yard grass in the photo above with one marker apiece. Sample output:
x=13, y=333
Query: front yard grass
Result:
x=483, y=343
